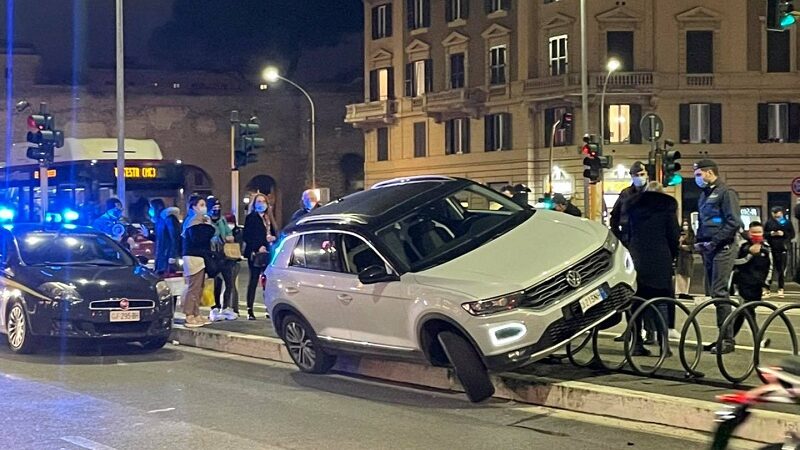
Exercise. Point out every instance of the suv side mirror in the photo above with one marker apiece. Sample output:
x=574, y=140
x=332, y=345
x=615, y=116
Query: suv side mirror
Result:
x=376, y=274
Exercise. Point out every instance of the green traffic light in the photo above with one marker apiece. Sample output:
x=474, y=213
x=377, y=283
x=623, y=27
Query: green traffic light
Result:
x=675, y=180
x=788, y=20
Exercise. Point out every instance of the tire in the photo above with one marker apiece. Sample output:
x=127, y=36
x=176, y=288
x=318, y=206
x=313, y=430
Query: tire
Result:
x=468, y=366
x=18, y=330
x=303, y=346
x=155, y=343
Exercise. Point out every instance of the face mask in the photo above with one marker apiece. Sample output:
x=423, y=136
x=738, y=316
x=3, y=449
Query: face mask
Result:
x=700, y=182
x=202, y=210
x=756, y=239
x=215, y=213
x=261, y=207
x=639, y=181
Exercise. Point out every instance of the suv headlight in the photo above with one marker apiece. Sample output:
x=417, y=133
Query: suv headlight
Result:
x=612, y=243
x=162, y=290
x=493, y=305
x=60, y=291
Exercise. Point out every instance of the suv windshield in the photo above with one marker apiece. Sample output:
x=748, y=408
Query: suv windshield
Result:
x=71, y=249
x=447, y=227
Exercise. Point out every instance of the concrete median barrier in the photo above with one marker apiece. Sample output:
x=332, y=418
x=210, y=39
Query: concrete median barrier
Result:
x=698, y=415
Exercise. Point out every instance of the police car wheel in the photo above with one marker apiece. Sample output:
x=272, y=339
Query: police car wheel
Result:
x=18, y=329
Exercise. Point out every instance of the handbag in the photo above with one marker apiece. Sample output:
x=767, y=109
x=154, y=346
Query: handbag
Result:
x=259, y=259
x=232, y=250
x=214, y=264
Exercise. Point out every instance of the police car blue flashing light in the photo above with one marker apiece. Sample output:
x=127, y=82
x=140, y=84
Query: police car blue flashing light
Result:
x=6, y=214
x=53, y=218
x=70, y=215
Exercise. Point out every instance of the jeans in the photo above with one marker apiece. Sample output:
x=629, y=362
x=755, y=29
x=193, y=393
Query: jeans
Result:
x=229, y=294
x=748, y=294
x=779, y=266
x=718, y=265
x=252, y=283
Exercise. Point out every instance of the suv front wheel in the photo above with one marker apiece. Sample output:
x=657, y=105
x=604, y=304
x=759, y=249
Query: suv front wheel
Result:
x=468, y=366
x=304, y=347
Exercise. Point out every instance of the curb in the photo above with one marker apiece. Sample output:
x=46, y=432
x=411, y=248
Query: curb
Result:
x=697, y=415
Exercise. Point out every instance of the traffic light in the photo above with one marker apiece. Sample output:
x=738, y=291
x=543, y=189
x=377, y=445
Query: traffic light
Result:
x=670, y=165
x=44, y=137
x=592, y=158
x=780, y=15
x=249, y=143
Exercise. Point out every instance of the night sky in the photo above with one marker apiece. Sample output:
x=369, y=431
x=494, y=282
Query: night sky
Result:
x=220, y=35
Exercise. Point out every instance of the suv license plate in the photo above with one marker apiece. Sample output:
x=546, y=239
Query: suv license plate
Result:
x=128, y=316
x=592, y=299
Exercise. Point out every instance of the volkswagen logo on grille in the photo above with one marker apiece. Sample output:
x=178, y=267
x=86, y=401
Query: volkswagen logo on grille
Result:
x=123, y=303
x=574, y=278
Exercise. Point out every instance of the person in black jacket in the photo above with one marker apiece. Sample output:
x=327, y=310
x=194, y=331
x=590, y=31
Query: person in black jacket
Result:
x=779, y=233
x=197, y=234
x=561, y=204
x=654, y=233
x=259, y=234
x=309, y=202
x=753, y=270
x=168, y=236
x=619, y=214
x=719, y=222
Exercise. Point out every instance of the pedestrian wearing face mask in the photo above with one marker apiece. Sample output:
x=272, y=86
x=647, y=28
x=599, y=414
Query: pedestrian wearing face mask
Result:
x=619, y=214
x=197, y=234
x=259, y=234
x=309, y=202
x=685, y=262
x=719, y=223
x=753, y=270
x=225, y=279
x=779, y=232
x=110, y=223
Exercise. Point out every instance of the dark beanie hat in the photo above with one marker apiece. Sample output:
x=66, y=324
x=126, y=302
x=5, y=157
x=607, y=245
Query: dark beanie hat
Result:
x=637, y=167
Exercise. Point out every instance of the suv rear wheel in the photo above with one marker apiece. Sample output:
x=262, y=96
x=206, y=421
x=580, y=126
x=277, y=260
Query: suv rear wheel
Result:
x=303, y=346
x=468, y=366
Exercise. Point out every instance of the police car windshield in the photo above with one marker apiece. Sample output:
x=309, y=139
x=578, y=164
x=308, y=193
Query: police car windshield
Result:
x=452, y=225
x=55, y=249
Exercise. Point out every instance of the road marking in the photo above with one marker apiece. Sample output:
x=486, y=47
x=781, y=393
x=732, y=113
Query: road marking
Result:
x=160, y=410
x=86, y=443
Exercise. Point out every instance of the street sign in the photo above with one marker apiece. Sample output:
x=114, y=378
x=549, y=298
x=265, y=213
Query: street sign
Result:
x=652, y=127
x=796, y=186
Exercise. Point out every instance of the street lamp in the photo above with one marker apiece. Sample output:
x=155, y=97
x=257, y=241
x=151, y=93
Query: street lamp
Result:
x=612, y=66
x=272, y=75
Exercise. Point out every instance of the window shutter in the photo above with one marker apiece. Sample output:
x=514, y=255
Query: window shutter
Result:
x=488, y=6
x=410, y=14
x=506, y=132
x=388, y=19
x=549, y=120
x=505, y=5
x=794, y=122
x=489, y=129
x=409, y=80
x=604, y=126
x=448, y=10
x=428, y=76
x=465, y=143
x=569, y=133
x=419, y=140
x=375, y=23
x=636, y=117
x=715, y=118
x=465, y=9
x=448, y=138
x=373, y=85
x=426, y=13
x=684, y=122
x=763, y=122
x=390, y=80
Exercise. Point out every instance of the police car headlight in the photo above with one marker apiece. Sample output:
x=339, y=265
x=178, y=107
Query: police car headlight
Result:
x=60, y=291
x=493, y=305
x=162, y=289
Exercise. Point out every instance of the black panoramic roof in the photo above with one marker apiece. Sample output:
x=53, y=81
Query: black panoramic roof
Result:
x=380, y=204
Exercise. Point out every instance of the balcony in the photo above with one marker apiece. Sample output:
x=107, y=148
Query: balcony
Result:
x=698, y=81
x=454, y=103
x=638, y=81
x=550, y=83
x=371, y=114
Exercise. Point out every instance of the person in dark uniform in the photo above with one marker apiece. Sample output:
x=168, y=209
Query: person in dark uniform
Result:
x=779, y=233
x=619, y=214
x=719, y=222
x=561, y=204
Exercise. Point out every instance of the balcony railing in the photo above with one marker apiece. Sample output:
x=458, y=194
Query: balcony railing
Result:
x=375, y=113
x=626, y=80
x=701, y=80
x=455, y=102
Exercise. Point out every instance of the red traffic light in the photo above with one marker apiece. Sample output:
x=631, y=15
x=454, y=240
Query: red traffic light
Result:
x=589, y=150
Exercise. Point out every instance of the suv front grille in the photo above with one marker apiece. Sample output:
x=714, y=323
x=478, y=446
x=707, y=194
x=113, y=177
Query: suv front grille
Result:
x=555, y=288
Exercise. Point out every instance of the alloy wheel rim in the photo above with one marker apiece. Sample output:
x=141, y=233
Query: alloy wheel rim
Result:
x=16, y=327
x=300, y=345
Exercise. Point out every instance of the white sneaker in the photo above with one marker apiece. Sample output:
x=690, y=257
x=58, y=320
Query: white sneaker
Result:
x=674, y=335
x=229, y=314
x=766, y=294
x=215, y=315
x=780, y=293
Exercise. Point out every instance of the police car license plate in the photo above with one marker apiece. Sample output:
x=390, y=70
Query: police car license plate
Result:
x=592, y=299
x=125, y=316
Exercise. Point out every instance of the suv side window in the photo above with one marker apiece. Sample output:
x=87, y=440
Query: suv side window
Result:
x=298, y=254
x=358, y=255
x=321, y=252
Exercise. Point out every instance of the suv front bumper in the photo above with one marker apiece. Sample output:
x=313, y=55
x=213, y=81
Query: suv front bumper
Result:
x=563, y=330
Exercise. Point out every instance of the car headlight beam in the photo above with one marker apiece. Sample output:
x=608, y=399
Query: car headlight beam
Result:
x=60, y=291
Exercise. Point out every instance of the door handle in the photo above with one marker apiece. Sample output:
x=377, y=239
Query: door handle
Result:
x=291, y=290
x=345, y=298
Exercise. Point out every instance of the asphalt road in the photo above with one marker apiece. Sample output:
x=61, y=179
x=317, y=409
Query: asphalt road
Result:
x=123, y=398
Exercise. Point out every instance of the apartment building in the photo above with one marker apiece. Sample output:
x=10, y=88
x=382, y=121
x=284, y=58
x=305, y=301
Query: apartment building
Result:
x=472, y=88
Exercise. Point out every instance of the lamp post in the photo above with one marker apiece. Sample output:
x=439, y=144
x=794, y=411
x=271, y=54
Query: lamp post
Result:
x=612, y=66
x=272, y=75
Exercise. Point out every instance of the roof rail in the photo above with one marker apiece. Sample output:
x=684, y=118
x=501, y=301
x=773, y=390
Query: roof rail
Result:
x=344, y=218
x=413, y=179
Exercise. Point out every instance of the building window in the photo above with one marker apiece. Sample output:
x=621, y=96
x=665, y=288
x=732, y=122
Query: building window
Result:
x=498, y=132
x=419, y=14
x=420, y=140
x=493, y=6
x=419, y=77
x=622, y=124
x=382, y=21
x=457, y=71
x=701, y=123
x=778, y=51
x=456, y=136
x=563, y=136
x=619, y=45
x=779, y=122
x=383, y=144
x=381, y=84
x=497, y=64
x=558, y=55
x=456, y=10
x=176, y=85
x=699, y=52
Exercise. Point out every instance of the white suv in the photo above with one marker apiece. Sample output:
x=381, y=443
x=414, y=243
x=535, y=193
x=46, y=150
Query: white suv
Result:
x=443, y=270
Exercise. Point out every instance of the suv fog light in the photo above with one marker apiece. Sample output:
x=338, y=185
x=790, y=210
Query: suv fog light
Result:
x=506, y=334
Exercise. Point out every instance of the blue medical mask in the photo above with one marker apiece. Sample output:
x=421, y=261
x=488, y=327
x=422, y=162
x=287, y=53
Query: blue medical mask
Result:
x=261, y=207
x=700, y=182
x=639, y=181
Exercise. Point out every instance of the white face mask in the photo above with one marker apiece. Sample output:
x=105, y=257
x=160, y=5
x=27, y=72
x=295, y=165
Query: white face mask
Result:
x=202, y=210
x=639, y=181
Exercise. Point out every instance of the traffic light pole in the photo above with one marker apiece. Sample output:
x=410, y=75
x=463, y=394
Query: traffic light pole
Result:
x=234, y=169
x=120, y=106
x=44, y=189
x=550, y=170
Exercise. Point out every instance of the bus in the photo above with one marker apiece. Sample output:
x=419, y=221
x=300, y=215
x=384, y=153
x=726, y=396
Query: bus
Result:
x=83, y=176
